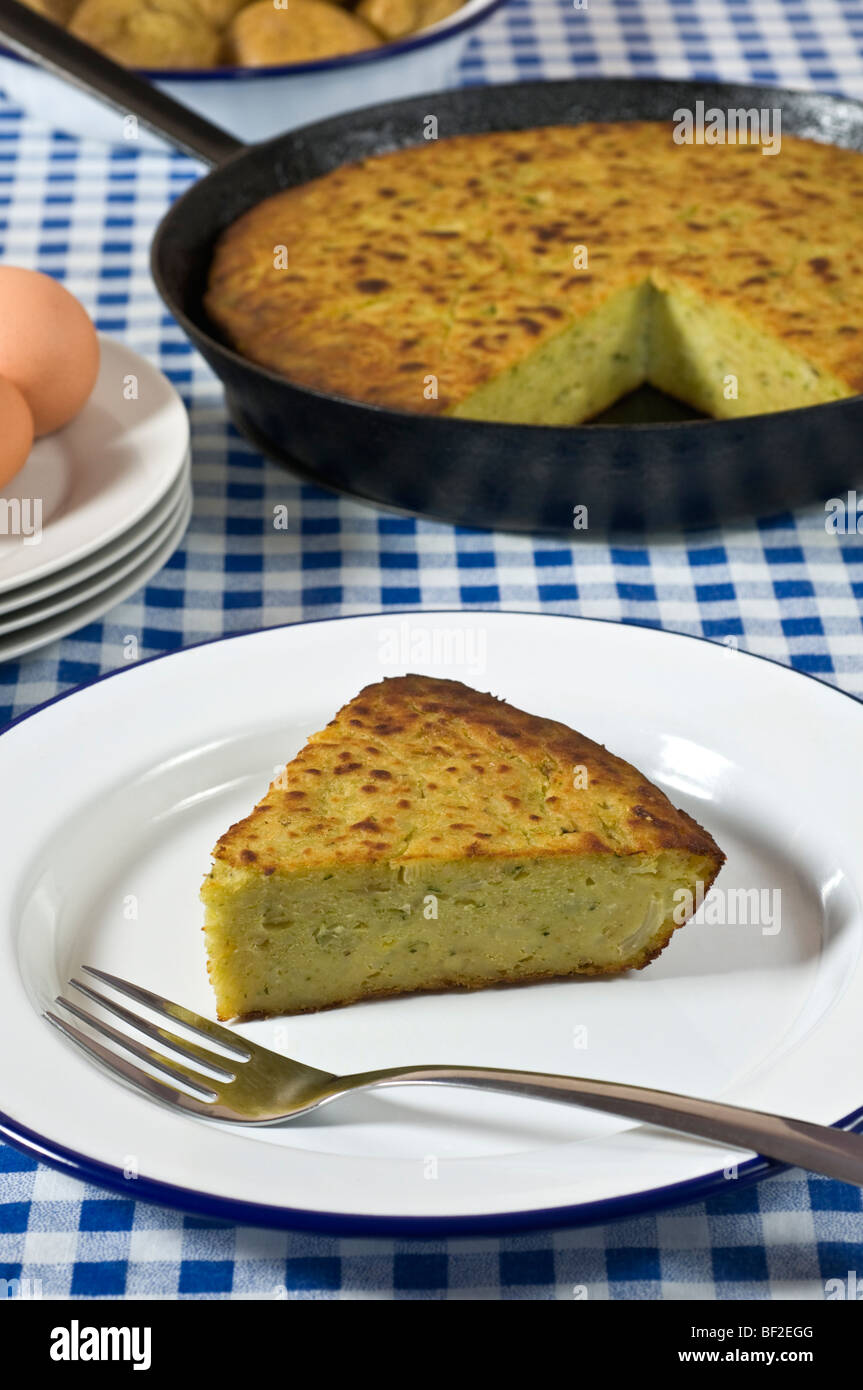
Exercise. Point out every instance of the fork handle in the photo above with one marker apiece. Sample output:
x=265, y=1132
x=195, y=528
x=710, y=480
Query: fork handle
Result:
x=836, y=1153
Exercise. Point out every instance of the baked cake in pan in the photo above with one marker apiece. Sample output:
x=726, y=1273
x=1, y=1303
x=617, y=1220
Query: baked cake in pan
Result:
x=537, y=276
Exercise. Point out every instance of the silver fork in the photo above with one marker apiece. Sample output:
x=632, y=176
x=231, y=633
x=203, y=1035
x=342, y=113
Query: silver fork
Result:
x=253, y=1086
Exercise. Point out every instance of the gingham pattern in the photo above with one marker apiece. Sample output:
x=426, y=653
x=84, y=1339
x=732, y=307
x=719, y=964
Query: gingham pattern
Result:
x=784, y=588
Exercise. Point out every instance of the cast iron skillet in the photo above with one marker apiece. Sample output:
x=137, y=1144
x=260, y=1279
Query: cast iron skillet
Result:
x=632, y=477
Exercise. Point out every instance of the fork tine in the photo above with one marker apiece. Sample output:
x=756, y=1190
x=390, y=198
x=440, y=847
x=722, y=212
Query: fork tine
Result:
x=168, y=1009
x=175, y=1072
x=190, y=1051
x=151, y=1084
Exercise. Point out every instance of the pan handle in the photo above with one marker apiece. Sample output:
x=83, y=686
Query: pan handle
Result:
x=51, y=47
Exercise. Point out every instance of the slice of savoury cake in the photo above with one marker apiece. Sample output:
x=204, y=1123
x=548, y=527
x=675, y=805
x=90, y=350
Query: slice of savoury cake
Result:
x=432, y=837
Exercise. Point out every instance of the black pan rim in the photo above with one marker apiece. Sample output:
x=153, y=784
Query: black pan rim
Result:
x=306, y=475
x=499, y=91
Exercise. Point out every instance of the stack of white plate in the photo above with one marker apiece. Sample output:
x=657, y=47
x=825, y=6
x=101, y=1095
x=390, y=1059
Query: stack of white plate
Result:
x=97, y=509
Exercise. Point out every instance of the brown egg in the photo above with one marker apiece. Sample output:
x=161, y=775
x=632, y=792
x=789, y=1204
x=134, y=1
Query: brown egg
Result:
x=48, y=346
x=16, y=436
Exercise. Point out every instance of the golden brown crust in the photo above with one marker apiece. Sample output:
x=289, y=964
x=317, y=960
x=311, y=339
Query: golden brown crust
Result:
x=395, y=18
x=148, y=33
x=301, y=32
x=60, y=11
x=455, y=258
x=420, y=769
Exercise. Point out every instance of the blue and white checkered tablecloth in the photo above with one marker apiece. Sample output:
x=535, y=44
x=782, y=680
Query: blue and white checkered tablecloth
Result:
x=783, y=587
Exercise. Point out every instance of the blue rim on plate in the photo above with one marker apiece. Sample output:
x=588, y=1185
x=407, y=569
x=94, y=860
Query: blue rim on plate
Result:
x=423, y=39
x=244, y=1213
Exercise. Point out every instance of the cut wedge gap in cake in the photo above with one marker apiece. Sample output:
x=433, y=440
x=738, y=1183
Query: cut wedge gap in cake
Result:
x=433, y=838
x=660, y=334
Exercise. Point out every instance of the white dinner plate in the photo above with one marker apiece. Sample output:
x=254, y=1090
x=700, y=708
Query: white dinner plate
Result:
x=75, y=594
x=122, y=787
x=40, y=634
x=60, y=581
x=100, y=475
